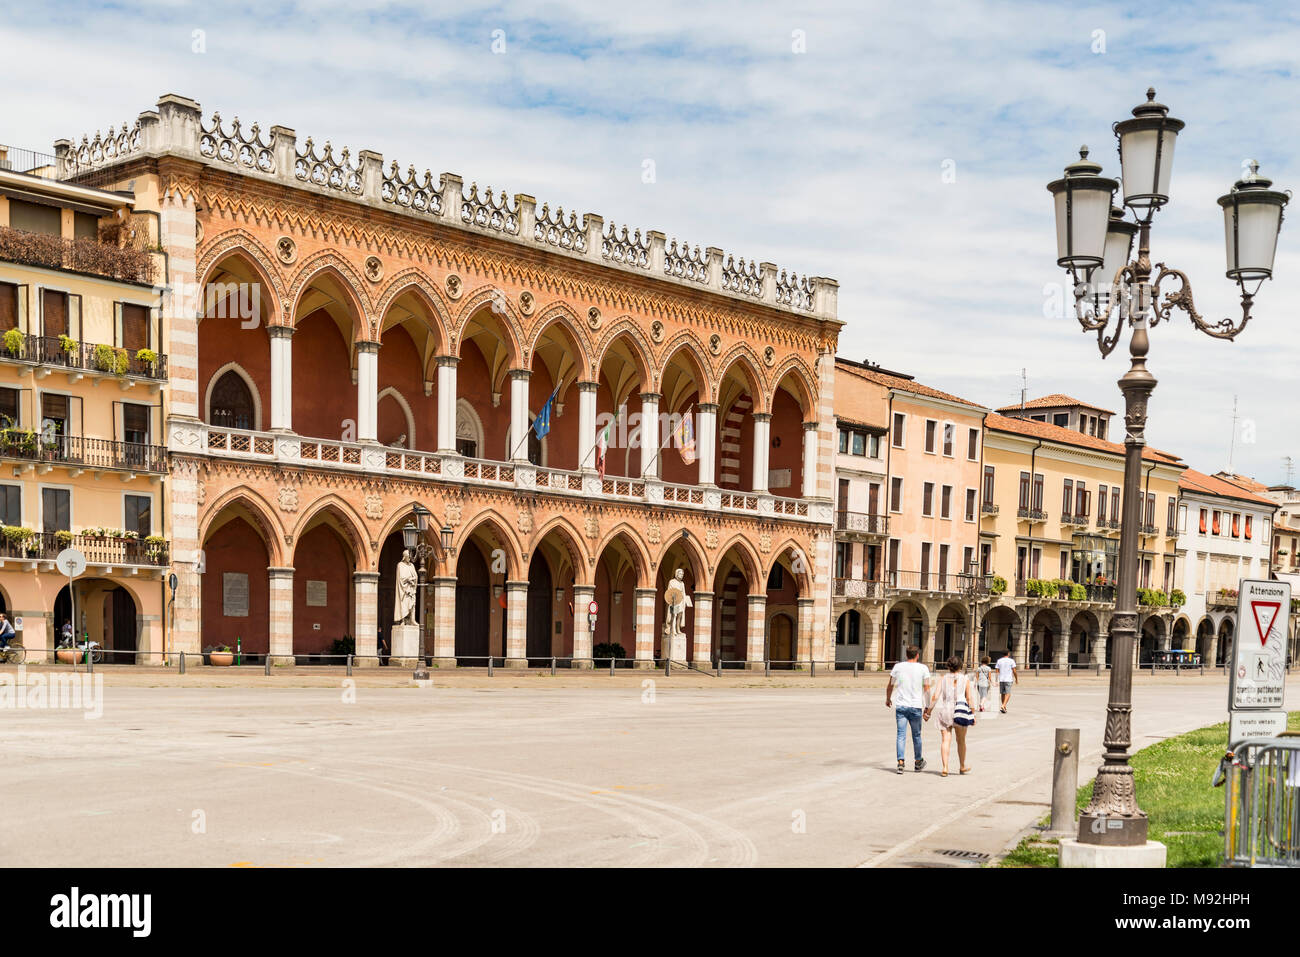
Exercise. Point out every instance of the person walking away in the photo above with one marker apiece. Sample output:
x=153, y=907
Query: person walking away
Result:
x=983, y=678
x=1034, y=653
x=1007, y=676
x=909, y=681
x=953, y=708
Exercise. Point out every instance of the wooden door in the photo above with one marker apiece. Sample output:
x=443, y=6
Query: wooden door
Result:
x=473, y=606
x=538, y=642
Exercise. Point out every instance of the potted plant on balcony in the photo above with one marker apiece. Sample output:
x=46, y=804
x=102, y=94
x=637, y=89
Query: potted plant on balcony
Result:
x=108, y=359
x=14, y=340
x=63, y=539
x=68, y=345
x=997, y=585
x=1078, y=592
x=1178, y=598
x=153, y=547
x=19, y=442
x=147, y=358
x=221, y=656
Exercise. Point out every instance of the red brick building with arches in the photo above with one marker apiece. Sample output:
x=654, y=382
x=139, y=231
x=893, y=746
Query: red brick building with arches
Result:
x=347, y=344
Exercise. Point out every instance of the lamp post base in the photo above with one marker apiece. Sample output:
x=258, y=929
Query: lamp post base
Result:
x=1111, y=830
x=1076, y=854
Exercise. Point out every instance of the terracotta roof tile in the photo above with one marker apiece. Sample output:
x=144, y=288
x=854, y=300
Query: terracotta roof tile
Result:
x=1056, y=433
x=1055, y=400
x=1194, y=481
x=901, y=383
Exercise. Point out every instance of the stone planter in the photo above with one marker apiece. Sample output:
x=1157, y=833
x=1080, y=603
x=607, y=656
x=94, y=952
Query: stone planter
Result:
x=221, y=659
x=67, y=656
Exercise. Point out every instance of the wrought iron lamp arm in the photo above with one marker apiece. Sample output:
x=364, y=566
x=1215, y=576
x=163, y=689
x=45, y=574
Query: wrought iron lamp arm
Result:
x=1182, y=299
x=1088, y=318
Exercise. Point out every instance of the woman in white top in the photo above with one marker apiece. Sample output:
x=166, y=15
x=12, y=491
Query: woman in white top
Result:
x=953, y=706
x=983, y=680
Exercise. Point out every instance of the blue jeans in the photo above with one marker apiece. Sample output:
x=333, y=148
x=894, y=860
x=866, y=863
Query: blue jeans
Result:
x=905, y=717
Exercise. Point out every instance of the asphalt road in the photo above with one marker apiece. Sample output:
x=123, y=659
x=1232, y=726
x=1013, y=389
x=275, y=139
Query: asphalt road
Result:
x=615, y=775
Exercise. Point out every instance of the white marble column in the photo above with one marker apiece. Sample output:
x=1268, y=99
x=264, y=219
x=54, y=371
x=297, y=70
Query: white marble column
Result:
x=367, y=391
x=762, y=432
x=702, y=654
x=519, y=414
x=811, y=438
x=756, y=633
x=644, y=628
x=586, y=429
x=444, y=622
x=516, y=624
x=447, y=403
x=649, y=434
x=706, y=442
x=281, y=615
x=281, y=418
x=582, y=597
x=365, y=624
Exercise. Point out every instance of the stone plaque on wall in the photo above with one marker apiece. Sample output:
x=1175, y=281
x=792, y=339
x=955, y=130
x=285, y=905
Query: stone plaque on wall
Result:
x=778, y=478
x=316, y=592
x=234, y=594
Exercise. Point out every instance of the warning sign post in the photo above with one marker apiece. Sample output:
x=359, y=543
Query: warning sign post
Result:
x=1259, y=649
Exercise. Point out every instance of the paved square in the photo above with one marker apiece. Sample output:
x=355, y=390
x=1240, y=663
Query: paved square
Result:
x=547, y=774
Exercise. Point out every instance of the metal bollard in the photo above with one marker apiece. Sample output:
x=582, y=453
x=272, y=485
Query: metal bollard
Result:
x=855, y=669
x=90, y=662
x=349, y=666
x=489, y=666
x=717, y=668
x=266, y=665
x=611, y=666
x=668, y=667
x=181, y=668
x=1065, y=780
x=767, y=668
x=812, y=669
x=552, y=667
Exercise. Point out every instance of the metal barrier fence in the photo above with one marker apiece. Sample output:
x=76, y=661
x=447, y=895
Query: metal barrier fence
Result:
x=1261, y=802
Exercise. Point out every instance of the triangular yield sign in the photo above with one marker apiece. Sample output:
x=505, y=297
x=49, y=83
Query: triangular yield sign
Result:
x=1265, y=614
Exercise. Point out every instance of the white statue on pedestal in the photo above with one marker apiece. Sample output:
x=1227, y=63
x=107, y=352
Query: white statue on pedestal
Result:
x=675, y=624
x=408, y=580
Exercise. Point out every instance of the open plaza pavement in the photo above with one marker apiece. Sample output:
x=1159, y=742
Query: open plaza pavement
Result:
x=305, y=767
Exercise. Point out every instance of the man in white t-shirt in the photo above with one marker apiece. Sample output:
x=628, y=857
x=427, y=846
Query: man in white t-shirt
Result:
x=909, y=683
x=1006, y=677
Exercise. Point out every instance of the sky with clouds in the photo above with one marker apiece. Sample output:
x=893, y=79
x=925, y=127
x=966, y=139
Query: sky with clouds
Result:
x=902, y=149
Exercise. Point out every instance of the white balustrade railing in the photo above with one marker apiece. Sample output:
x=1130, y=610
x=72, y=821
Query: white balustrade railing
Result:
x=384, y=460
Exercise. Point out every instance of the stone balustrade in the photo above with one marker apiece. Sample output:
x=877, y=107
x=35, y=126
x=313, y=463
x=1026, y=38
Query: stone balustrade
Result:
x=176, y=127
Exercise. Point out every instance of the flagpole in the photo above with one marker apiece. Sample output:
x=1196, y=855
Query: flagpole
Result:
x=554, y=393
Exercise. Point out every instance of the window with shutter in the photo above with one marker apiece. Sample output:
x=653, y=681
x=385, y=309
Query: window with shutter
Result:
x=135, y=327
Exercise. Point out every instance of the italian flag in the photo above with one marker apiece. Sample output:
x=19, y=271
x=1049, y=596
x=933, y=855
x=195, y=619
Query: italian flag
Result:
x=602, y=445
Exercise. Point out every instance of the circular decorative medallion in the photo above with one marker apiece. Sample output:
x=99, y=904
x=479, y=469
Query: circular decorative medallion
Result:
x=715, y=344
x=286, y=249
x=769, y=355
x=454, y=287
x=593, y=317
x=374, y=268
x=657, y=331
x=198, y=231
x=526, y=303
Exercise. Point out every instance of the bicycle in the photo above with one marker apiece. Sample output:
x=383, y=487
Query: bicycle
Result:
x=13, y=653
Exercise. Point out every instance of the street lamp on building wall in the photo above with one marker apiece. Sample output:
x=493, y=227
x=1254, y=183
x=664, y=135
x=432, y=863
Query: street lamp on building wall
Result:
x=1094, y=242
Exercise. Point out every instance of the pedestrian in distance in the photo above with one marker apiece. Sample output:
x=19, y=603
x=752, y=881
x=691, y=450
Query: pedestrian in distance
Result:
x=7, y=633
x=1034, y=654
x=983, y=678
x=909, y=684
x=953, y=706
x=1007, y=676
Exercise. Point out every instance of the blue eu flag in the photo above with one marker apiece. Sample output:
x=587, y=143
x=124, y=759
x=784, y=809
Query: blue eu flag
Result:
x=542, y=421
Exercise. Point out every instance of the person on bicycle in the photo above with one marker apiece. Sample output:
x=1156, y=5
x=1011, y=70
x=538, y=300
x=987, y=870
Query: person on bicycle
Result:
x=7, y=633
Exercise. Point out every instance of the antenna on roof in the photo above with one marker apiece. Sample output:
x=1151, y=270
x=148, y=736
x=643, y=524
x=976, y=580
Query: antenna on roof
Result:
x=1024, y=389
x=1290, y=468
x=1232, y=443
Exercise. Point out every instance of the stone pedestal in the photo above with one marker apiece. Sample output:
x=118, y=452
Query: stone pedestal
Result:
x=1074, y=854
x=405, y=651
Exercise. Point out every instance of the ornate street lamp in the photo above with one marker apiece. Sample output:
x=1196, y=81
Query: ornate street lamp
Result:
x=1100, y=261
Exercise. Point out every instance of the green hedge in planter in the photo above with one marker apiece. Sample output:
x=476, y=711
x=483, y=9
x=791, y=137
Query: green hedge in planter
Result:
x=608, y=650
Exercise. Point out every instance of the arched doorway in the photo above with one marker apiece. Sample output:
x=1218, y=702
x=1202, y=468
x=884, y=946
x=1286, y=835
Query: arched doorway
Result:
x=106, y=613
x=1224, y=653
x=540, y=602
x=1000, y=632
x=1153, y=631
x=473, y=606
x=950, y=632
x=235, y=585
x=1045, y=633
x=1205, y=640
x=904, y=627
x=848, y=638
x=780, y=641
x=1084, y=629
x=231, y=405
x=121, y=629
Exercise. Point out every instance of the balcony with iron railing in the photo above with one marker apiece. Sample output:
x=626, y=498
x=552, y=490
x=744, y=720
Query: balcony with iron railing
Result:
x=109, y=260
x=1149, y=529
x=81, y=452
x=859, y=588
x=119, y=549
x=1031, y=514
x=861, y=523
x=1080, y=519
x=1050, y=589
x=63, y=352
x=901, y=580
x=279, y=449
x=989, y=508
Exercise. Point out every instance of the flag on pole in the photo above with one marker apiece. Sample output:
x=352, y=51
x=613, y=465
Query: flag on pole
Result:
x=684, y=435
x=542, y=420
